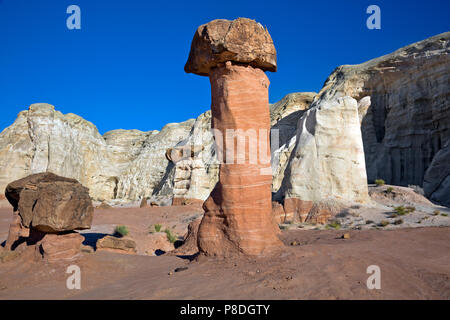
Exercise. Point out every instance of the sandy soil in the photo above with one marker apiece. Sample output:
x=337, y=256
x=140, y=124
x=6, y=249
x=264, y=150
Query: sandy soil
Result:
x=314, y=264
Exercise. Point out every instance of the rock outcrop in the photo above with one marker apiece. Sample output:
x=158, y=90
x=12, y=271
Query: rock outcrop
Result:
x=51, y=204
x=436, y=182
x=238, y=217
x=47, y=211
x=143, y=175
x=402, y=103
x=121, y=159
x=284, y=116
x=193, y=157
x=187, y=179
x=328, y=158
x=59, y=247
x=17, y=233
x=405, y=113
x=190, y=178
x=190, y=246
x=117, y=245
x=122, y=164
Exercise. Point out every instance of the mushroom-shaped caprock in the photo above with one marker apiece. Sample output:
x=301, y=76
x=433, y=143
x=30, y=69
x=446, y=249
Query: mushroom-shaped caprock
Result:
x=243, y=41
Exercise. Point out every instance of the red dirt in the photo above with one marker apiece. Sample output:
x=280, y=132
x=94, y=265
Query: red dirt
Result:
x=414, y=265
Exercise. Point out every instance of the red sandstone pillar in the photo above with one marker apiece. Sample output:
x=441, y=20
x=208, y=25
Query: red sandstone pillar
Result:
x=237, y=217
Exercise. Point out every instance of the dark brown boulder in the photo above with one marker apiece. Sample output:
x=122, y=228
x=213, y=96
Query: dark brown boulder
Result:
x=50, y=203
x=243, y=41
x=14, y=189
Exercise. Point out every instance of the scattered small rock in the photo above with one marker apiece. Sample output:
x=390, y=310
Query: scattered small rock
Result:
x=104, y=206
x=346, y=236
x=86, y=249
x=119, y=245
x=181, y=269
x=383, y=223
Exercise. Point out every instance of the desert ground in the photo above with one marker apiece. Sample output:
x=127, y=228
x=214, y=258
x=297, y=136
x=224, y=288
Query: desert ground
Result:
x=316, y=262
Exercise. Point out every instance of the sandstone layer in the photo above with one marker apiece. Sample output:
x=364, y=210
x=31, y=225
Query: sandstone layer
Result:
x=238, y=212
x=121, y=164
x=405, y=113
x=328, y=158
x=121, y=158
x=118, y=245
x=59, y=247
x=284, y=116
x=193, y=177
x=402, y=106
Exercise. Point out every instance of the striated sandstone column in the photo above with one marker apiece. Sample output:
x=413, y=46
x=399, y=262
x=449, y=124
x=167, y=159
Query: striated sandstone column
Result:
x=235, y=54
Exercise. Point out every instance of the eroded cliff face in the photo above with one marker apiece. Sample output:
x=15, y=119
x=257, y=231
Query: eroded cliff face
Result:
x=204, y=166
x=127, y=165
x=192, y=176
x=145, y=172
x=16, y=151
x=42, y=139
x=327, y=162
x=404, y=108
x=284, y=116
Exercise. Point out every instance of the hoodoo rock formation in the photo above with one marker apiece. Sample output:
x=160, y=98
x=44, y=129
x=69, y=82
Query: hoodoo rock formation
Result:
x=235, y=54
x=50, y=203
x=190, y=179
x=47, y=211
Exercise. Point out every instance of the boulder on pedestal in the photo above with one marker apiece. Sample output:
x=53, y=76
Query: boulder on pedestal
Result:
x=242, y=40
x=58, y=247
x=48, y=208
x=51, y=204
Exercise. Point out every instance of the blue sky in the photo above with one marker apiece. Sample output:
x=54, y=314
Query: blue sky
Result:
x=124, y=68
